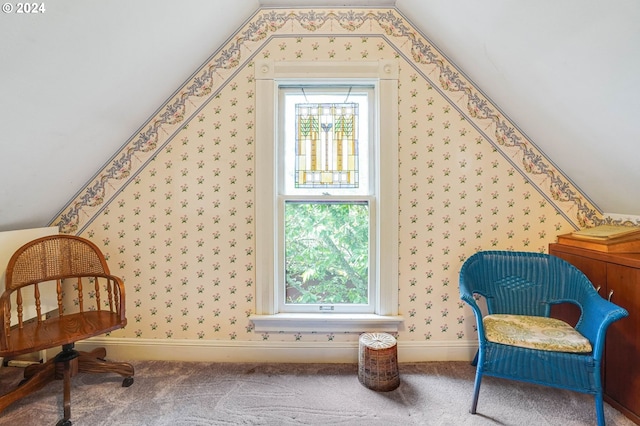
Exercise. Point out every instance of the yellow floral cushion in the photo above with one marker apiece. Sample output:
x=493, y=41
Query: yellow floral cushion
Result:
x=548, y=334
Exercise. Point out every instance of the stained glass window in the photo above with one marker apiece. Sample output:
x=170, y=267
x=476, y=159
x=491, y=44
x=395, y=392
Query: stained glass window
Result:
x=326, y=152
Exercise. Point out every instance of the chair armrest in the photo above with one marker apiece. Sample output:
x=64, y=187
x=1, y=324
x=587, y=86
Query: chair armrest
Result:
x=121, y=309
x=121, y=291
x=467, y=296
x=597, y=315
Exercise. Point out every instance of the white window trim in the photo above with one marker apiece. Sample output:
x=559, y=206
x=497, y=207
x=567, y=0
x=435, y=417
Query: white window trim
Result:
x=268, y=74
x=366, y=190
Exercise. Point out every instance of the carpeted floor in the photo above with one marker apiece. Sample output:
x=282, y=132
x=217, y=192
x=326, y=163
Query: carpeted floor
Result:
x=172, y=393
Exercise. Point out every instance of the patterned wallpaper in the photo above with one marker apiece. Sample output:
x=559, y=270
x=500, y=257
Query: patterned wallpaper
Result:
x=174, y=210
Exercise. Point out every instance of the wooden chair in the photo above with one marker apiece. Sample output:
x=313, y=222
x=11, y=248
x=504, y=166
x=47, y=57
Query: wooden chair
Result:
x=517, y=339
x=90, y=301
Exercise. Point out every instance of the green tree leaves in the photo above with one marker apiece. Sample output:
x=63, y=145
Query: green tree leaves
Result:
x=327, y=252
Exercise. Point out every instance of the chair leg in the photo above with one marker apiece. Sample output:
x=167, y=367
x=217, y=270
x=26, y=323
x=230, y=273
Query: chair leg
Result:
x=599, y=408
x=99, y=353
x=94, y=362
x=64, y=366
x=36, y=381
x=66, y=363
x=476, y=391
x=65, y=421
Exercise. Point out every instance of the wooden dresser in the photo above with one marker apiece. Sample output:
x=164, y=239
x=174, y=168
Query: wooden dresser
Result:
x=617, y=275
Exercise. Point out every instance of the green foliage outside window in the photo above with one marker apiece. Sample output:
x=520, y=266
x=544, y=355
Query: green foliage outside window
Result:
x=327, y=252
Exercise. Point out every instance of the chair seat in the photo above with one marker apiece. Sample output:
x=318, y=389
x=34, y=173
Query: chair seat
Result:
x=60, y=331
x=535, y=332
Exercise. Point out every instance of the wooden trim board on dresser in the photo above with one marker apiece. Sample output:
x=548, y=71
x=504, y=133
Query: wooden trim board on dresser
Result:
x=617, y=275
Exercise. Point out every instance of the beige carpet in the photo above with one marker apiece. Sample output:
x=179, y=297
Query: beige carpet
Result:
x=169, y=393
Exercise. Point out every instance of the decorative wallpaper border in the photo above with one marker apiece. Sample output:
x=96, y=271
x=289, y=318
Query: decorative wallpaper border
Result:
x=268, y=23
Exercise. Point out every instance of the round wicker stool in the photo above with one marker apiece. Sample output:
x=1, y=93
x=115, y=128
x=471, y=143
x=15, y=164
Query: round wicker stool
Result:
x=378, y=361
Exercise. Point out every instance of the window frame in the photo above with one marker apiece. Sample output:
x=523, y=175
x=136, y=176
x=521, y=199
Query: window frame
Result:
x=269, y=76
x=286, y=193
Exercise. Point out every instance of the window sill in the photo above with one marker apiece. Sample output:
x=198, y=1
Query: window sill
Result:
x=326, y=323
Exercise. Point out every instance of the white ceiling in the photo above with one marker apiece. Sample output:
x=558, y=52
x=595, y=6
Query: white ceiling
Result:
x=77, y=81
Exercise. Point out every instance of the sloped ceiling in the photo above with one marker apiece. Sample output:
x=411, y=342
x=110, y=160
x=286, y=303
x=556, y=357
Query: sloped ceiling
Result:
x=78, y=80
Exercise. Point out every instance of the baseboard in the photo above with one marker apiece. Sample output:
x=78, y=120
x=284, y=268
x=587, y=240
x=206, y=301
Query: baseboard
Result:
x=260, y=351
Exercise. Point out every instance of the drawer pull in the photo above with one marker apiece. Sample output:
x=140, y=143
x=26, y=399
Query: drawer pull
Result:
x=610, y=294
x=598, y=289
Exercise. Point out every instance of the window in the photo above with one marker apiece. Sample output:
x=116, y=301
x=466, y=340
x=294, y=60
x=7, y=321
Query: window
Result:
x=325, y=196
x=322, y=193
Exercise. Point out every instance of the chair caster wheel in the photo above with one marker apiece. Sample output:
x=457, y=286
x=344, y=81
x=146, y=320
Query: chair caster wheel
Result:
x=128, y=381
x=64, y=422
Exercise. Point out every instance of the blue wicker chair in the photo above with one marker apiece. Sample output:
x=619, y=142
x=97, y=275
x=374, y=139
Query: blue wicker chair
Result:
x=527, y=284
